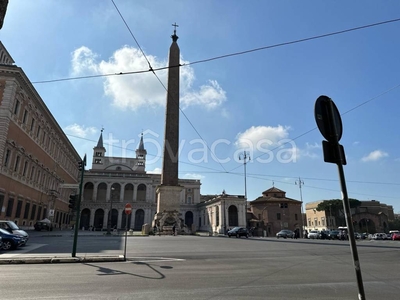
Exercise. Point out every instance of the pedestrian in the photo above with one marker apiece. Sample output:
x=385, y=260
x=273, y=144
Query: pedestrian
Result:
x=173, y=230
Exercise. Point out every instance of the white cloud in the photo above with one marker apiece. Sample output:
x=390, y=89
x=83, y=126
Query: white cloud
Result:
x=155, y=171
x=79, y=131
x=374, y=156
x=210, y=96
x=143, y=90
x=193, y=176
x=262, y=136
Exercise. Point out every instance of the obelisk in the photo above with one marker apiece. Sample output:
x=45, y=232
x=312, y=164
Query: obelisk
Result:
x=168, y=193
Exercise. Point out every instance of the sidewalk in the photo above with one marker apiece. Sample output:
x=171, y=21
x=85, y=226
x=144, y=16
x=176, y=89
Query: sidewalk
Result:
x=12, y=258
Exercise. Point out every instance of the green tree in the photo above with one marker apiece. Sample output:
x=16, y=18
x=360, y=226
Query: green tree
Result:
x=335, y=209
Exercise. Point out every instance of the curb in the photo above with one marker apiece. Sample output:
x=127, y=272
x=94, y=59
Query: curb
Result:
x=58, y=260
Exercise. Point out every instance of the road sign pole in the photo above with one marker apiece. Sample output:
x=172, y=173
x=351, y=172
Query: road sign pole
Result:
x=78, y=208
x=126, y=235
x=330, y=125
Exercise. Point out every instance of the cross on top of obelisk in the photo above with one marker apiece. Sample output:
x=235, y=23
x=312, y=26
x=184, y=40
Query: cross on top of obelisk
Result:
x=174, y=37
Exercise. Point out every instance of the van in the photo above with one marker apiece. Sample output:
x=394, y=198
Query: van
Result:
x=11, y=227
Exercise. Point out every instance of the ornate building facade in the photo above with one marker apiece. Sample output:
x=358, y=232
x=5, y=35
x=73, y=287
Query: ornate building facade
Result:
x=112, y=182
x=36, y=157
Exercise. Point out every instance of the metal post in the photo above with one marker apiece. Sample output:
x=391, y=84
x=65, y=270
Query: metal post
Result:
x=300, y=183
x=126, y=235
x=78, y=208
x=347, y=211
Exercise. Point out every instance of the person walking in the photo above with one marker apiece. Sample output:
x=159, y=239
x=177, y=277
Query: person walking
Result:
x=173, y=230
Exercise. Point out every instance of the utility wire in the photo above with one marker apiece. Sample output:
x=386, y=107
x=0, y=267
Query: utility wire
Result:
x=221, y=56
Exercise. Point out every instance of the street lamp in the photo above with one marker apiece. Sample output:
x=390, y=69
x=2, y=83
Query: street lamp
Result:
x=110, y=212
x=300, y=184
x=245, y=156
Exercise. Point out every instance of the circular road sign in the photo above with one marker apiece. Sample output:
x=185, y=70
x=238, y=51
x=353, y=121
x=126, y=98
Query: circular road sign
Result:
x=128, y=209
x=328, y=119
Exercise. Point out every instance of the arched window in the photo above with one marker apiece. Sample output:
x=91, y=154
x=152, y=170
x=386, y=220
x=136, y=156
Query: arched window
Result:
x=141, y=192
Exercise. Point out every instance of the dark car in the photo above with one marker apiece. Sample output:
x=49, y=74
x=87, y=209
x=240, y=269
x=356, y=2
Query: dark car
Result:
x=285, y=233
x=10, y=241
x=43, y=226
x=238, y=232
x=324, y=235
x=333, y=234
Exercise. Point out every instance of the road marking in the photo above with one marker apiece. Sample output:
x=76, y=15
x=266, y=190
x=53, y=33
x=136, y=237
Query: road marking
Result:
x=145, y=259
x=21, y=250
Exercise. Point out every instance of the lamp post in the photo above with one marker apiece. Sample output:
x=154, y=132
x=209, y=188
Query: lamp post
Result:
x=110, y=212
x=300, y=184
x=245, y=156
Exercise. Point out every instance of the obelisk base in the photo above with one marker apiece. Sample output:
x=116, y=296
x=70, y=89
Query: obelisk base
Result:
x=168, y=210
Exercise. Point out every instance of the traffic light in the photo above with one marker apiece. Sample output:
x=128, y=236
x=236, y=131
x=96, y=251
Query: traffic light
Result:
x=72, y=201
x=80, y=165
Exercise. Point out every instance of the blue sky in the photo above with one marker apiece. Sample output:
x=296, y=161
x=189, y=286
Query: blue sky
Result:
x=261, y=101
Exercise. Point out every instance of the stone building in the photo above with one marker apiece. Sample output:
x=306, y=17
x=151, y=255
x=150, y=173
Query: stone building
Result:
x=219, y=213
x=112, y=182
x=36, y=156
x=273, y=211
x=371, y=216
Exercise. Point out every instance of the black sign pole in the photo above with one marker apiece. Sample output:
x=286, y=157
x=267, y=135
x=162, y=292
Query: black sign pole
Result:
x=126, y=234
x=346, y=205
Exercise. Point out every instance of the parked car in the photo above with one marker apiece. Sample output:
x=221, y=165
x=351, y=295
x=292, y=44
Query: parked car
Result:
x=324, y=235
x=313, y=234
x=396, y=236
x=238, y=232
x=285, y=233
x=11, y=227
x=334, y=234
x=42, y=225
x=357, y=235
x=9, y=240
x=379, y=236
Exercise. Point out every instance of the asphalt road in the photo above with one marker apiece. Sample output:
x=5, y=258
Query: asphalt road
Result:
x=190, y=267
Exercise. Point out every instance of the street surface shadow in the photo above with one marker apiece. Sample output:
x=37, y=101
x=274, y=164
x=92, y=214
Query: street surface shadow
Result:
x=109, y=271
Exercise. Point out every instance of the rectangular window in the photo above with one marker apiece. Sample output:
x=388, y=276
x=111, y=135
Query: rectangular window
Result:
x=7, y=157
x=189, y=199
x=19, y=207
x=17, y=159
x=25, y=116
x=32, y=173
x=323, y=221
x=44, y=213
x=16, y=108
x=25, y=168
x=38, y=176
x=44, y=137
x=1, y=203
x=295, y=217
x=38, y=131
x=278, y=216
x=33, y=213
x=32, y=124
x=10, y=207
x=309, y=222
x=26, y=212
x=39, y=213
x=97, y=161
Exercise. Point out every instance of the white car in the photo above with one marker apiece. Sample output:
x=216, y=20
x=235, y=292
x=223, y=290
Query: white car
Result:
x=313, y=234
x=379, y=236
